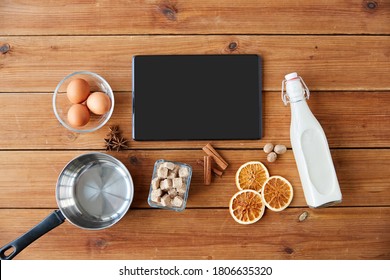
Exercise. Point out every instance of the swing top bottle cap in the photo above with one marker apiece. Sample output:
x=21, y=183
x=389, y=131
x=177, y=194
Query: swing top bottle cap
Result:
x=294, y=88
x=291, y=76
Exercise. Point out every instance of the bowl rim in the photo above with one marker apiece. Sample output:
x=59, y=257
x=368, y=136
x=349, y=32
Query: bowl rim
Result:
x=110, y=94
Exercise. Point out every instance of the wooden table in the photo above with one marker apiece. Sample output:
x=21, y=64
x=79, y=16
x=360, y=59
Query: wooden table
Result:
x=341, y=49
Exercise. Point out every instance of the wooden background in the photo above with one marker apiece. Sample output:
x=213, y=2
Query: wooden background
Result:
x=341, y=49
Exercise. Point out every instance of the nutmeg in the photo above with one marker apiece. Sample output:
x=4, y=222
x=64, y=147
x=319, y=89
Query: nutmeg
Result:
x=272, y=156
x=280, y=149
x=268, y=148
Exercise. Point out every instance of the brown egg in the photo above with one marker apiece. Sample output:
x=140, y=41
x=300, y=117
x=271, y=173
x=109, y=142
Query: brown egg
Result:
x=99, y=103
x=78, y=115
x=78, y=90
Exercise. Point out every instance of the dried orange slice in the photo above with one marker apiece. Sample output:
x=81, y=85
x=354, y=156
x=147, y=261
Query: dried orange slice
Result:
x=246, y=207
x=251, y=175
x=277, y=193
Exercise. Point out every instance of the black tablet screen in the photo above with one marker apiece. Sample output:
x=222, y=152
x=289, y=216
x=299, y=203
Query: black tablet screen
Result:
x=195, y=97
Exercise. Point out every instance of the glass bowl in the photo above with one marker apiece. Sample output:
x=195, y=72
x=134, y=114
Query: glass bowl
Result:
x=61, y=103
x=170, y=185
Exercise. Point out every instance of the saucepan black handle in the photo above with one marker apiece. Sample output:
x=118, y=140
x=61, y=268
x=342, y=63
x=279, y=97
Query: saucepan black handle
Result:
x=13, y=248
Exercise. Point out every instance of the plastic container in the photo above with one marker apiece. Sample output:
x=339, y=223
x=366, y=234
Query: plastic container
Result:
x=310, y=147
x=169, y=184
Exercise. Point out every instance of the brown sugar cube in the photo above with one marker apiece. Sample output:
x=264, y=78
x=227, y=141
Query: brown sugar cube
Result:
x=156, y=195
x=169, y=165
x=156, y=183
x=166, y=200
x=177, y=201
x=177, y=183
x=171, y=174
x=157, y=192
x=181, y=190
x=183, y=172
x=162, y=172
x=172, y=192
x=166, y=184
x=176, y=169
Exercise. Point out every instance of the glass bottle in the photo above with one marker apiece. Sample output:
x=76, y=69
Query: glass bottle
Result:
x=310, y=147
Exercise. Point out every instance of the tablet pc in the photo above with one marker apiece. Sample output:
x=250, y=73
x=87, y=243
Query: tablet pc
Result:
x=197, y=97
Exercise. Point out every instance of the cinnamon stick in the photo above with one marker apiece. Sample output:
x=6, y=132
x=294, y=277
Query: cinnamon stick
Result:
x=213, y=169
x=207, y=170
x=209, y=150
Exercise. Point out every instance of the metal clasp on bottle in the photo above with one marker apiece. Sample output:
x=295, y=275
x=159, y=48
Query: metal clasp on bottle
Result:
x=286, y=98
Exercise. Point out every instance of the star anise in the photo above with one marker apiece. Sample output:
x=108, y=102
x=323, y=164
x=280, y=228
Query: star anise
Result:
x=115, y=141
x=119, y=143
x=108, y=144
x=114, y=130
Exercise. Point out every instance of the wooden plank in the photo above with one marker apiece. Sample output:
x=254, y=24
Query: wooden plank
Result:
x=350, y=119
x=28, y=178
x=194, y=17
x=334, y=233
x=38, y=63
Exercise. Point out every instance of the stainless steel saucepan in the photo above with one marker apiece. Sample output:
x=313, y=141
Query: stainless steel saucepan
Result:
x=94, y=191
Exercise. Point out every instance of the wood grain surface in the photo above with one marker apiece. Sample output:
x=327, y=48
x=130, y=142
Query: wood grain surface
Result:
x=194, y=17
x=350, y=119
x=334, y=233
x=341, y=49
x=38, y=63
x=28, y=179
